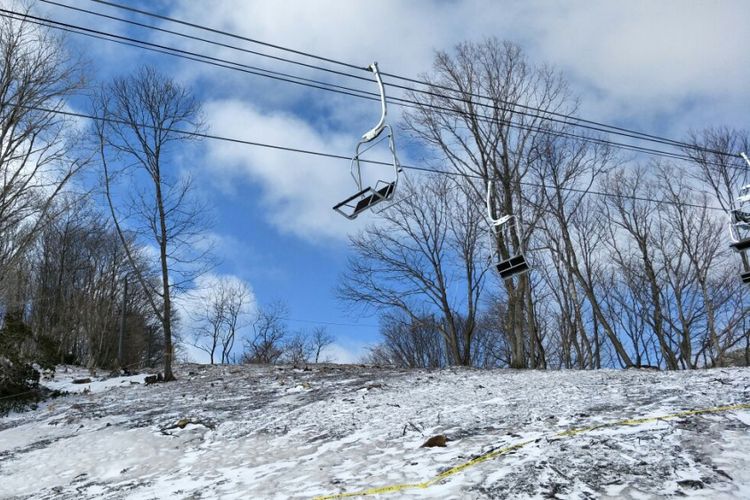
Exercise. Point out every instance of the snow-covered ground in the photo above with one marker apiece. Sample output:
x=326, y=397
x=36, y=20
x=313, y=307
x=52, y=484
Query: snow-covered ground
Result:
x=280, y=432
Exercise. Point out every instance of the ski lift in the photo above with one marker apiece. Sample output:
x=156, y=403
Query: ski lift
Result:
x=505, y=225
x=369, y=196
x=739, y=218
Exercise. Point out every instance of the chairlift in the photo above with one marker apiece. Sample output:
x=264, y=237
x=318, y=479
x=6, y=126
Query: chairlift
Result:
x=368, y=196
x=505, y=225
x=739, y=218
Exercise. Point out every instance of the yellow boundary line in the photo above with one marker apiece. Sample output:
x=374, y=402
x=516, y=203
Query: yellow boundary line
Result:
x=395, y=488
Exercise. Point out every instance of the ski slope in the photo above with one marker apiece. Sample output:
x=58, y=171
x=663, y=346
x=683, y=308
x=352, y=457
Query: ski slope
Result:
x=285, y=432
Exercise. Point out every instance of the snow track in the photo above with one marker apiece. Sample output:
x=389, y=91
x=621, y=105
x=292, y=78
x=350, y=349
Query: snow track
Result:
x=280, y=432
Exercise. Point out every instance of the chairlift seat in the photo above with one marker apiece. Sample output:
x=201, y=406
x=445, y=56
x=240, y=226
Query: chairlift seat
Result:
x=366, y=198
x=512, y=266
x=742, y=245
x=376, y=197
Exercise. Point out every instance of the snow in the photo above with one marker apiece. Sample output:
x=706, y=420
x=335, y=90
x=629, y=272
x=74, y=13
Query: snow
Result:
x=282, y=432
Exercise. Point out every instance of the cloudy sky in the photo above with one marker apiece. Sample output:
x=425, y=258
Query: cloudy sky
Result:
x=663, y=67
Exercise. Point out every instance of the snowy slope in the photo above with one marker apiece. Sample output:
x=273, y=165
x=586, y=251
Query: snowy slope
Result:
x=281, y=432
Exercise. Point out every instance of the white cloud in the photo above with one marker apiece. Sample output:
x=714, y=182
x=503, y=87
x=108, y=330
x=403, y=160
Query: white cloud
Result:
x=663, y=67
x=344, y=354
x=189, y=304
x=299, y=191
x=642, y=59
x=651, y=55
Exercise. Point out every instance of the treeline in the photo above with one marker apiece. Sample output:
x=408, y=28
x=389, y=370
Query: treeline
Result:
x=631, y=264
x=101, y=235
x=64, y=267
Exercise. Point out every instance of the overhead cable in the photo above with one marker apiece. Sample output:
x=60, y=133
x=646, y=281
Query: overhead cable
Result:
x=363, y=94
x=585, y=123
x=203, y=135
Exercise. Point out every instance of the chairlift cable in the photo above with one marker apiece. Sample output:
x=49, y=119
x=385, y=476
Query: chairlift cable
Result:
x=347, y=158
x=363, y=94
x=226, y=33
x=206, y=40
x=547, y=115
x=184, y=54
x=643, y=135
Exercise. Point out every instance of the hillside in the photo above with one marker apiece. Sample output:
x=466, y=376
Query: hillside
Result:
x=284, y=432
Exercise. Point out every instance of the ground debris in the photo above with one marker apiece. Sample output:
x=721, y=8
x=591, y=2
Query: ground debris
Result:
x=439, y=440
x=184, y=422
x=295, y=442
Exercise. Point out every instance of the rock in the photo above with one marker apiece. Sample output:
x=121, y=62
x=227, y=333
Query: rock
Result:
x=439, y=440
x=82, y=380
x=691, y=483
x=152, y=379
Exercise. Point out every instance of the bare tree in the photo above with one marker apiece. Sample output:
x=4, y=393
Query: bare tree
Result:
x=78, y=301
x=37, y=162
x=211, y=316
x=298, y=349
x=238, y=298
x=701, y=273
x=566, y=169
x=495, y=138
x=269, y=331
x=143, y=117
x=37, y=158
x=320, y=339
x=411, y=343
x=220, y=315
x=426, y=257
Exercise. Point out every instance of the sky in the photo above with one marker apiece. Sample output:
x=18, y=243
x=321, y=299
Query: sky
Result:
x=664, y=67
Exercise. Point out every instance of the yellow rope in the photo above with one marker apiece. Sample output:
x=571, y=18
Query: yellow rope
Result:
x=395, y=488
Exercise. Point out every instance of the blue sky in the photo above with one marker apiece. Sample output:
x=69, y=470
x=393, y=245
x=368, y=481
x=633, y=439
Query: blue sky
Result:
x=661, y=67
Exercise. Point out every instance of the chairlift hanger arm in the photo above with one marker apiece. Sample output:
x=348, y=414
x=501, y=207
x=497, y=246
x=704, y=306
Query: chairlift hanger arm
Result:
x=375, y=131
x=495, y=222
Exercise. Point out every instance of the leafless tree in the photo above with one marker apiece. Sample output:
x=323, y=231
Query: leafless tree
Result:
x=210, y=317
x=220, y=315
x=415, y=344
x=77, y=293
x=700, y=271
x=567, y=169
x=37, y=144
x=142, y=120
x=298, y=349
x=269, y=331
x=714, y=153
x=495, y=138
x=425, y=257
x=320, y=339
x=411, y=343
